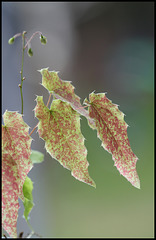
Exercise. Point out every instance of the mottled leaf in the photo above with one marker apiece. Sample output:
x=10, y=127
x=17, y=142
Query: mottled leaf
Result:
x=60, y=129
x=36, y=156
x=16, y=164
x=63, y=90
x=28, y=197
x=112, y=130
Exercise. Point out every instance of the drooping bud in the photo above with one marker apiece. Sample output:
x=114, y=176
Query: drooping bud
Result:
x=43, y=39
x=30, y=52
x=11, y=40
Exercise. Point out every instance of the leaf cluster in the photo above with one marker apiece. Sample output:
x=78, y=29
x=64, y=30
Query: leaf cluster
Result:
x=59, y=126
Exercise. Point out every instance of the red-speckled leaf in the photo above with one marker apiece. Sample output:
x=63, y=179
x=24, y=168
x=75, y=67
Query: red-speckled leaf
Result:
x=60, y=129
x=16, y=164
x=63, y=90
x=112, y=130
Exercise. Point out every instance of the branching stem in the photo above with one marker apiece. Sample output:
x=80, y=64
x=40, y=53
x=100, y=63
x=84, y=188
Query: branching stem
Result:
x=32, y=38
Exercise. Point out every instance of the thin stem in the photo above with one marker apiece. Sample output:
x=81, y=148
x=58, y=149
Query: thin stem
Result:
x=32, y=231
x=17, y=35
x=33, y=129
x=23, y=43
x=49, y=99
x=82, y=107
x=37, y=123
x=32, y=38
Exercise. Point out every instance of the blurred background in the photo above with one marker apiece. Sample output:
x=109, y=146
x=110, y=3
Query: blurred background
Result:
x=101, y=46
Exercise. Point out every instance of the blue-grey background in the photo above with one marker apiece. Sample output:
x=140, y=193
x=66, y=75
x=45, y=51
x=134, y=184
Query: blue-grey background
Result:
x=107, y=47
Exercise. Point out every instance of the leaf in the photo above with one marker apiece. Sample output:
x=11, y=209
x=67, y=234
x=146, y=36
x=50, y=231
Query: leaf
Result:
x=28, y=197
x=60, y=129
x=15, y=166
x=36, y=156
x=112, y=131
x=63, y=90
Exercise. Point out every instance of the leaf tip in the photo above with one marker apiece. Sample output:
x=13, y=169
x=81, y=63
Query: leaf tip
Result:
x=36, y=98
x=94, y=185
x=43, y=69
x=137, y=184
x=86, y=102
x=57, y=72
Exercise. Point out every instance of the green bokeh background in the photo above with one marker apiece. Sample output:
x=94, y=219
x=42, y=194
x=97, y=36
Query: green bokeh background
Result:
x=111, y=50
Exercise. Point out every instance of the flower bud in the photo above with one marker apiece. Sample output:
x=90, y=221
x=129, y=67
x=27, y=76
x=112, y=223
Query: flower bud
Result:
x=11, y=40
x=30, y=52
x=43, y=39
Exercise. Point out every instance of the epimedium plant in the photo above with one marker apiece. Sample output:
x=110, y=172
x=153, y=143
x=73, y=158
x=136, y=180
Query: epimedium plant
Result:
x=59, y=127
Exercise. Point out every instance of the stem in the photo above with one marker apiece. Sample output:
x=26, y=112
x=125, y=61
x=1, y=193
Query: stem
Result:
x=17, y=35
x=82, y=107
x=49, y=99
x=33, y=129
x=23, y=43
x=32, y=38
x=37, y=123
x=32, y=230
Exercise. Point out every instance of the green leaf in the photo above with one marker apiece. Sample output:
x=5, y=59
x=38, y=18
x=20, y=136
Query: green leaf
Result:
x=60, y=129
x=36, y=156
x=64, y=91
x=16, y=164
x=112, y=130
x=28, y=197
